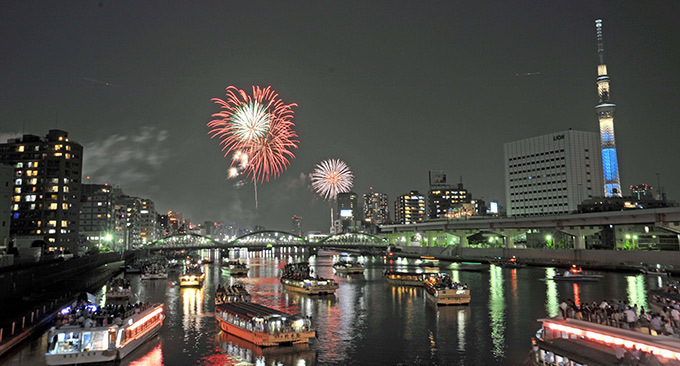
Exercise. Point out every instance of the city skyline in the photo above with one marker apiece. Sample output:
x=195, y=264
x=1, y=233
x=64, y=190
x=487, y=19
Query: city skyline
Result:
x=393, y=95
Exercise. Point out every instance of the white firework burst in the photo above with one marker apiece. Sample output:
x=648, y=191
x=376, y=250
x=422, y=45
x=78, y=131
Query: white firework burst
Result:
x=330, y=177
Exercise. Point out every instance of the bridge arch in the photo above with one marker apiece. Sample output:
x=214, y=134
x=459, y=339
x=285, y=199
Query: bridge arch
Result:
x=353, y=237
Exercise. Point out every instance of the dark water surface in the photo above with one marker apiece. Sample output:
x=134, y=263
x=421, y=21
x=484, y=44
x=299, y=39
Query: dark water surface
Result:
x=367, y=321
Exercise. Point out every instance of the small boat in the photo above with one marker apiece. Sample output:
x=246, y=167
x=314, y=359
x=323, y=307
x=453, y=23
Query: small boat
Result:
x=441, y=289
x=405, y=278
x=233, y=293
x=193, y=276
x=510, y=263
x=235, y=268
x=118, y=289
x=577, y=342
x=154, y=271
x=654, y=271
x=348, y=267
x=575, y=274
x=427, y=262
x=90, y=342
x=263, y=326
x=297, y=277
x=472, y=266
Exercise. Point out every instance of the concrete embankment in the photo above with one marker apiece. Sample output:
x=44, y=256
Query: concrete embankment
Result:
x=602, y=259
x=35, y=315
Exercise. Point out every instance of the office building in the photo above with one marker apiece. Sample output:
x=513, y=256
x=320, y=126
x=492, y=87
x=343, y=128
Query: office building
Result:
x=376, y=208
x=552, y=174
x=6, y=190
x=445, y=201
x=46, y=197
x=348, y=210
x=148, y=221
x=410, y=208
x=98, y=219
x=605, y=114
x=296, y=225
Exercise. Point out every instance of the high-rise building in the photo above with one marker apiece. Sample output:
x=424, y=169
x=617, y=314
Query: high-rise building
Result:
x=376, y=208
x=47, y=177
x=129, y=209
x=348, y=210
x=296, y=225
x=552, y=174
x=605, y=114
x=410, y=208
x=98, y=219
x=149, y=229
x=443, y=201
x=6, y=189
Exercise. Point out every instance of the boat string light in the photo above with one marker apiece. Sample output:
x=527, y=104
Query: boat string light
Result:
x=595, y=336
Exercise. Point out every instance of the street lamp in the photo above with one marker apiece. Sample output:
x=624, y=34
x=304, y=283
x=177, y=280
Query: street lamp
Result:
x=548, y=239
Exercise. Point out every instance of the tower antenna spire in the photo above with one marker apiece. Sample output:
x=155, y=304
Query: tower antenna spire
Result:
x=605, y=114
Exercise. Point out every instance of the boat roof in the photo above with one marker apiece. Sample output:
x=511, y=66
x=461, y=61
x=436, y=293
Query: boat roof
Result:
x=251, y=310
x=670, y=343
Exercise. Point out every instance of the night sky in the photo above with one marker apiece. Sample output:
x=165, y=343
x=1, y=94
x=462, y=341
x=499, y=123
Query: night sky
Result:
x=393, y=88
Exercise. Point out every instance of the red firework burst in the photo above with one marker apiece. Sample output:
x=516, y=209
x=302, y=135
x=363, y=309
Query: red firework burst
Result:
x=259, y=125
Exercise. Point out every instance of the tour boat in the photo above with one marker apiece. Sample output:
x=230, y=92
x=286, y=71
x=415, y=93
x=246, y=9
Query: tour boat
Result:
x=577, y=342
x=233, y=293
x=235, y=268
x=193, y=276
x=263, y=326
x=297, y=277
x=75, y=344
x=405, y=278
x=154, y=271
x=575, y=274
x=348, y=267
x=118, y=289
x=441, y=289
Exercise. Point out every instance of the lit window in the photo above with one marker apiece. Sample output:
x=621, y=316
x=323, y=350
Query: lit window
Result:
x=53, y=206
x=21, y=148
x=64, y=206
x=17, y=182
x=65, y=189
x=54, y=188
x=64, y=223
x=52, y=223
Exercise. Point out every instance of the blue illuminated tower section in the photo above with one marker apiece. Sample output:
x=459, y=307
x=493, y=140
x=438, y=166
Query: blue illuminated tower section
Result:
x=605, y=113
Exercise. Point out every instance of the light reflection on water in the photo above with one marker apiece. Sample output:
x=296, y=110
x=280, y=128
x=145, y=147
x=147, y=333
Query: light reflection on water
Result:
x=366, y=322
x=637, y=294
x=552, y=304
x=497, y=311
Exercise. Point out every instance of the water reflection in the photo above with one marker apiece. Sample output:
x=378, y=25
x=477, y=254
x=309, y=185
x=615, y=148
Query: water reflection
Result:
x=577, y=295
x=551, y=302
x=238, y=350
x=497, y=311
x=154, y=357
x=636, y=290
x=192, y=305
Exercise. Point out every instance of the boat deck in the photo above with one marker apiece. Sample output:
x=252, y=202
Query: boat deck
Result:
x=250, y=310
x=579, y=351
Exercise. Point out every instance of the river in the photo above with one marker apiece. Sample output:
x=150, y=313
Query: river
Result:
x=367, y=321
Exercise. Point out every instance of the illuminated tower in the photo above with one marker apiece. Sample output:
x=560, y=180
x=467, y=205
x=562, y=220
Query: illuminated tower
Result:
x=605, y=114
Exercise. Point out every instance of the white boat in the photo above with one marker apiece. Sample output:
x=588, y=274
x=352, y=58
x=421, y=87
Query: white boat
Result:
x=297, y=277
x=405, y=278
x=154, y=271
x=576, y=274
x=442, y=290
x=193, y=276
x=576, y=342
x=348, y=267
x=118, y=289
x=235, y=268
x=75, y=344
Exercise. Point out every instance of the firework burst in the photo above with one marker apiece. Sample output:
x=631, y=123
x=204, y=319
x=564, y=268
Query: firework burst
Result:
x=258, y=126
x=331, y=177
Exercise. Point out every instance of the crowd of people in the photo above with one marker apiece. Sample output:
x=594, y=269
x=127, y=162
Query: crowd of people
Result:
x=86, y=315
x=621, y=314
